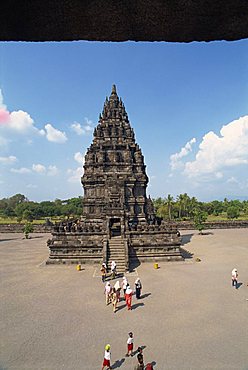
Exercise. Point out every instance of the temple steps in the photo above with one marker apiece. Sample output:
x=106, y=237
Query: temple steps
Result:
x=116, y=252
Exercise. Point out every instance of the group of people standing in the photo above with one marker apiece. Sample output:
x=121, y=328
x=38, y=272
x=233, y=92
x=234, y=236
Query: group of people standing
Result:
x=113, y=293
x=104, y=271
x=130, y=352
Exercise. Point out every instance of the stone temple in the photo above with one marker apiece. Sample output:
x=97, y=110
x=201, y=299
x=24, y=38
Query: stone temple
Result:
x=118, y=221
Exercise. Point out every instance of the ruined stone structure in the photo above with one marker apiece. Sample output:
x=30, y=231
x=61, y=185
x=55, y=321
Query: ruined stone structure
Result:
x=118, y=220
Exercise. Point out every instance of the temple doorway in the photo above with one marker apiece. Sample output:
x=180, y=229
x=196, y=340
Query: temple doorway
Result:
x=115, y=227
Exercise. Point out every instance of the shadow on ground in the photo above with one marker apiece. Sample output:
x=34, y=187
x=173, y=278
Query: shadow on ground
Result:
x=186, y=238
x=136, y=305
x=238, y=285
x=145, y=295
x=6, y=240
x=186, y=254
x=116, y=364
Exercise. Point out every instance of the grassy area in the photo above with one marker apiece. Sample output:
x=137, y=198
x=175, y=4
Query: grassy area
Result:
x=223, y=217
x=13, y=220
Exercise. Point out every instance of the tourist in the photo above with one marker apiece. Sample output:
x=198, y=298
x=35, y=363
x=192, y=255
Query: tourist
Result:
x=149, y=367
x=128, y=297
x=140, y=365
x=118, y=290
x=138, y=287
x=103, y=272
x=129, y=344
x=124, y=284
x=107, y=356
x=107, y=292
x=113, y=269
x=114, y=298
x=235, y=278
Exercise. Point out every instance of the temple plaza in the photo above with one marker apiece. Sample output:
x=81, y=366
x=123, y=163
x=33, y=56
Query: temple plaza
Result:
x=54, y=317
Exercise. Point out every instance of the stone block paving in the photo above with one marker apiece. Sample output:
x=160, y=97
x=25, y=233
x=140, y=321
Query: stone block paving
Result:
x=55, y=317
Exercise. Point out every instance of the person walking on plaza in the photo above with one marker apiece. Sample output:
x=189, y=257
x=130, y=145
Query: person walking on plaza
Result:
x=129, y=344
x=235, y=278
x=124, y=284
x=103, y=272
x=107, y=292
x=113, y=269
x=128, y=297
x=138, y=287
x=118, y=290
x=140, y=365
x=107, y=357
x=114, y=298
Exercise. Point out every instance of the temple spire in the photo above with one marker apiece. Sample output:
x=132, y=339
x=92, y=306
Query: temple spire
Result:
x=113, y=90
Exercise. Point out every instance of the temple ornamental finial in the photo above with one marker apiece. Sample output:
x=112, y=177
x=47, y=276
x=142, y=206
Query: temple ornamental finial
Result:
x=113, y=89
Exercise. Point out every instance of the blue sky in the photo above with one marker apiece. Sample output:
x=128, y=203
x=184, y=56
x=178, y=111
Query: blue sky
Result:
x=187, y=103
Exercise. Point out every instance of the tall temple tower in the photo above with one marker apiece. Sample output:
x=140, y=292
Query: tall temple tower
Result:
x=114, y=177
x=118, y=220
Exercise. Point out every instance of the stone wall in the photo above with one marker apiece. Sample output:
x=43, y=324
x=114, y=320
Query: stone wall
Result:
x=186, y=225
x=18, y=228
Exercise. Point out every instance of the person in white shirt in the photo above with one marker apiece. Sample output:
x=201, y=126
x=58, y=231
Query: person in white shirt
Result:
x=107, y=292
x=113, y=269
x=124, y=284
x=129, y=344
x=107, y=357
x=235, y=278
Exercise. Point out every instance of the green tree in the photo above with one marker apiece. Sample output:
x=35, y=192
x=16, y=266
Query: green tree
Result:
x=28, y=228
x=169, y=202
x=180, y=200
x=232, y=212
x=199, y=220
x=28, y=215
x=193, y=205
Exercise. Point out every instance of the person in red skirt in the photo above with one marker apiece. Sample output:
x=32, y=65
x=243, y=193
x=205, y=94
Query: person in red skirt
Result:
x=130, y=344
x=107, y=355
x=128, y=297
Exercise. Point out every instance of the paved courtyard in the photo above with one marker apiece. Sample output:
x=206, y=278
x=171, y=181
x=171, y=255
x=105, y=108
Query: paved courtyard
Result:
x=54, y=317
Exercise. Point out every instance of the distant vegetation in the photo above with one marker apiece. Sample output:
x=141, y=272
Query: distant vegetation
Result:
x=183, y=208
x=19, y=209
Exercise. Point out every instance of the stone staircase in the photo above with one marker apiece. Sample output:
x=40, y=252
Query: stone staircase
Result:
x=116, y=252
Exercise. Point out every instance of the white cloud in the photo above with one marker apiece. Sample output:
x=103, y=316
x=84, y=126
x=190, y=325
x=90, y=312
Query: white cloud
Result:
x=54, y=135
x=39, y=168
x=85, y=129
x=20, y=121
x=52, y=171
x=218, y=175
x=8, y=160
x=75, y=175
x=216, y=153
x=76, y=127
x=32, y=186
x=79, y=158
x=21, y=170
x=232, y=180
x=175, y=159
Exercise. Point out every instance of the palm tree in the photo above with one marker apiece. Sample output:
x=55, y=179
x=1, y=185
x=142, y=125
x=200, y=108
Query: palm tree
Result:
x=180, y=200
x=169, y=201
x=193, y=205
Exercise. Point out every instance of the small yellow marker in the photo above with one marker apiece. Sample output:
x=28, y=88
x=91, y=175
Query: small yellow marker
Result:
x=156, y=266
x=79, y=267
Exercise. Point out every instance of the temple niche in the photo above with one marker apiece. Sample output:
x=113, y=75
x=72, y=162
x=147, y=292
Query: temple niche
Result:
x=118, y=220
